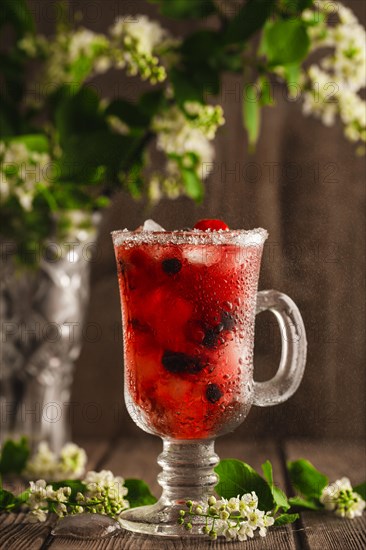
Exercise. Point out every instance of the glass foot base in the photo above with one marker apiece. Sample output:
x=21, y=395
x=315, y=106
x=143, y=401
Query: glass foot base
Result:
x=158, y=519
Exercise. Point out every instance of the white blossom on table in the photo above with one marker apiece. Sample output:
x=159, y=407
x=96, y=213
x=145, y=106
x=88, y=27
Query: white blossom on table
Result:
x=46, y=464
x=238, y=518
x=104, y=494
x=340, y=498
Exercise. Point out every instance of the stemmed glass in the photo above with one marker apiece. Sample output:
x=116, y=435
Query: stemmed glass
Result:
x=189, y=300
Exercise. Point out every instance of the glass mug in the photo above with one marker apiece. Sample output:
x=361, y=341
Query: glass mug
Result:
x=189, y=300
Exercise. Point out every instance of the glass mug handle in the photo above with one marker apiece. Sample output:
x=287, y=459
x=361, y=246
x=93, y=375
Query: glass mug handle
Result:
x=293, y=356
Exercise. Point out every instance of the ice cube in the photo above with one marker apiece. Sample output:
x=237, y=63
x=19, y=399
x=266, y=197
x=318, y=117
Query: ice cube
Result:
x=150, y=225
x=200, y=255
x=85, y=526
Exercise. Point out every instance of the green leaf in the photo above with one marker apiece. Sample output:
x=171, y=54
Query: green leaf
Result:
x=361, y=490
x=151, y=102
x=192, y=184
x=18, y=15
x=285, y=42
x=77, y=112
x=266, y=97
x=279, y=496
x=139, y=493
x=84, y=154
x=186, y=9
x=8, y=501
x=292, y=76
x=33, y=142
x=201, y=45
x=237, y=478
x=192, y=84
x=250, y=18
x=130, y=113
x=306, y=478
x=251, y=114
x=80, y=69
x=14, y=455
x=308, y=504
x=284, y=519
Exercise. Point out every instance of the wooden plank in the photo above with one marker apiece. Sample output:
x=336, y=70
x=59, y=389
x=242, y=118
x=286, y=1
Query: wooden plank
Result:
x=276, y=539
x=137, y=458
x=17, y=534
x=324, y=531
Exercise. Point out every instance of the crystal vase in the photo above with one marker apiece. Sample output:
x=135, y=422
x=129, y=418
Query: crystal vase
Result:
x=42, y=311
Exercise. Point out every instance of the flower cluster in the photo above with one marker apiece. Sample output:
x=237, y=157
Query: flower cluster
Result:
x=69, y=465
x=184, y=135
x=43, y=499
x=23, y=173
x=136, y=41
x=102, y=493
x=72, y=56
x=333, y=86
x=340, y=497
x=236, y=519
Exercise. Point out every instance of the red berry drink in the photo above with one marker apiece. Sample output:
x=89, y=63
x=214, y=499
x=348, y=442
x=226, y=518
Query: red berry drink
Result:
x=188, y=307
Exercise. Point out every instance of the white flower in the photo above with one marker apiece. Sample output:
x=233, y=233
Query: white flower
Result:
x=184, y=135
x=225, y=518
x=69, y=465
x=72, y=461
x=255, y=518
x=333, y=86
x=21, y=172
x=231, y=533
x=250, y=500
x=82, y=42
x=36, y=515
x=39, y=492
x=234, y=504
x=340, y=498
x=145, y=33
x=60, y=509
x=106, y=487
x=245, y=531
x=118, y=125
x=135, y=40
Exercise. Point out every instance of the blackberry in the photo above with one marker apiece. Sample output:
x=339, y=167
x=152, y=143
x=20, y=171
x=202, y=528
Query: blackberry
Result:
x=213, y=393
x=180, y=363
x=211, y=338
x=171, y=266
x=212, y=334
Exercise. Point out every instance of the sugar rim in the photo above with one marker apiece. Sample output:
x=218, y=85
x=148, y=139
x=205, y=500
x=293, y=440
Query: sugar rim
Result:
x=195, y=237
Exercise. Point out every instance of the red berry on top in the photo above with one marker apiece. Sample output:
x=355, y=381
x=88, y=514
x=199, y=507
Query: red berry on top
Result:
x=212, y=225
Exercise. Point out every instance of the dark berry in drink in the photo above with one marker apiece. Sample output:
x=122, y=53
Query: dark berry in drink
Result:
x=213, y=393
x=171, y=266
x=180, y=363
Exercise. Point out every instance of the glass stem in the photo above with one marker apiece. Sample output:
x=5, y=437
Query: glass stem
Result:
x=188, y=470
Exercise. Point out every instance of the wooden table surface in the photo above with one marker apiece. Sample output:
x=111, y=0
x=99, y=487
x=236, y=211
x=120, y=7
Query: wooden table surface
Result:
x=137, y=458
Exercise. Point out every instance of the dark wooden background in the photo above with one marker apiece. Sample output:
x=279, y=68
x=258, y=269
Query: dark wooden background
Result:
x=306, y=186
